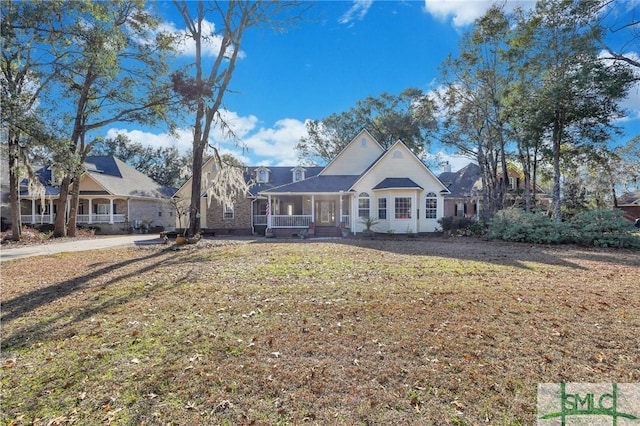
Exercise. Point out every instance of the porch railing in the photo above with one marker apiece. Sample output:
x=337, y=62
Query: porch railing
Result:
x=290, y=221
x=37, y=219
x=101, y=218
x=299, y=221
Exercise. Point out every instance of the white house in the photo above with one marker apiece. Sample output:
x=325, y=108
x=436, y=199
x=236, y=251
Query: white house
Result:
x=363, y=181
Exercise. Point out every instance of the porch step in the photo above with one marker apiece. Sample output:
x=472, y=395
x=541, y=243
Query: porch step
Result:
x=327, y=232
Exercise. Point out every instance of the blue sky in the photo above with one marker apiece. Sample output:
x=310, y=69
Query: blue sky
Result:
x=342, y=52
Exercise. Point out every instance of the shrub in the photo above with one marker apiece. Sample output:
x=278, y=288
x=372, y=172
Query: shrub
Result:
x=600, y=228
x=518, y=225
x=461, y=226
x=604, y=228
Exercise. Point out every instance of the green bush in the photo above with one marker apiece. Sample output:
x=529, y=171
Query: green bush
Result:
x=600, y=228
x=461, y=226
x=518, y=225
x=604, y=228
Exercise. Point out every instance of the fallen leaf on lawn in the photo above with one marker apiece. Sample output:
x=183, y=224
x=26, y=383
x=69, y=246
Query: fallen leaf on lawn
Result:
x=222, y=406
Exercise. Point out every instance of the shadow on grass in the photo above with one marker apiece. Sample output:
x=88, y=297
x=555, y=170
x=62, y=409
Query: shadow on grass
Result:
x=467, y=248
x=624, y=257
x=22, y=305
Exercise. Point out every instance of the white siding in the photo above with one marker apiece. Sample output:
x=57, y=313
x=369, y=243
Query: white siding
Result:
x=355, y=157
x=399, y=162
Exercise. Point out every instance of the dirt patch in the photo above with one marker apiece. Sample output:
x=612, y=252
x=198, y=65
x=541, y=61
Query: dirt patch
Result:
x=424, y=331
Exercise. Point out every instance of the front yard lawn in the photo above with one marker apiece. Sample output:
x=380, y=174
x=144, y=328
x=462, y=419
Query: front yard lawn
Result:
x=424, y=331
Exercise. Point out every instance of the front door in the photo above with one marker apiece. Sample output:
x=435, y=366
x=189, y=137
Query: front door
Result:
x=325, y=213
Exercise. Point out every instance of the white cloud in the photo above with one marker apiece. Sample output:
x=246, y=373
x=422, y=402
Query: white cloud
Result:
x=436, y=161
x=358, y=11
x=181, y=140
x=465, y=12
x=186, y=45
x=631, y=103
x=239, y=126
x=275, y=146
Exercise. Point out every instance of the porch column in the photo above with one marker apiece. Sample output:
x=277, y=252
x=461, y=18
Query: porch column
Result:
x=269, y=211
x=33, y=210
x=313, y=208
x=90, y=211
x=50, y=210
x=111, y=211
x=340, y=218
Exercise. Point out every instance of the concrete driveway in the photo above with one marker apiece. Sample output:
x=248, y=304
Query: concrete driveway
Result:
x=76, y=245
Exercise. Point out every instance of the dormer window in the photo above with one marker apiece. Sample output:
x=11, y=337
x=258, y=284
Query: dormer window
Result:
x=262, y=175
x=54, y=181
x=298, y=174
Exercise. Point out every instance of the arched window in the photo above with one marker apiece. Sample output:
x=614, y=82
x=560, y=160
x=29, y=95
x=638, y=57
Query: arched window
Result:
x=431, y=207
x=364, y=205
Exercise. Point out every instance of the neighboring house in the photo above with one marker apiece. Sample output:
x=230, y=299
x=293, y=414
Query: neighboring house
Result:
x=113, y=197
x=364, y=180
x=630, y=204
x=465, y=187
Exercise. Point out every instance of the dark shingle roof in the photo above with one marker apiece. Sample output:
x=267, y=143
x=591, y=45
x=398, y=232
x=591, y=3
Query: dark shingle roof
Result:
x=121, y=179
x=390, y=183
x=278, y=176
x=330, y=183
x=461, y=183
x=104, y=164
x=116, y=177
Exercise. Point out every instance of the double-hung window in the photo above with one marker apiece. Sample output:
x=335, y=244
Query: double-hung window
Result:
x=364, y=205
x=431, y=207
x=227, y=212
x=403, y=207
x=382, y=208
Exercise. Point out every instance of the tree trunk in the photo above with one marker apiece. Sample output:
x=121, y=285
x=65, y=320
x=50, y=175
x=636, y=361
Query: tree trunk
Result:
x=525, y=161
x=59, y=227
x=557, y=135
x=196, y=190
x=14, y=189
x=73, y=206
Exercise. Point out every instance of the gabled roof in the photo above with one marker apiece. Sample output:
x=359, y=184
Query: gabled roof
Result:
x=396, y=183
x=118, y=178
x=390, y=151
x=347, y=150
x=461, y=183
x=114, y=177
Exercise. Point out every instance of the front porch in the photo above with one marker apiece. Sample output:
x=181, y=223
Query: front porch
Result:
x=100, y=213
x=297, y=214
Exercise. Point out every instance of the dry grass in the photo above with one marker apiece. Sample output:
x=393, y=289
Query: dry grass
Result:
x=453, y=331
